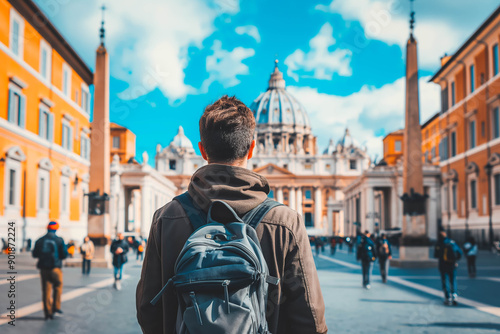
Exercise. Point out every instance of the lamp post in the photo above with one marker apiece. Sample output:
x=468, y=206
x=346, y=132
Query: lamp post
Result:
x=488, y=169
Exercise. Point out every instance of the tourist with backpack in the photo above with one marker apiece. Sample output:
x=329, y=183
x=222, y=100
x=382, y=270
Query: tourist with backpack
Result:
x=50, y=250
x=384, y=252
x=470, y=248
x=448, y=254
x=366, y=254
x=257, y=274
x=119, y=248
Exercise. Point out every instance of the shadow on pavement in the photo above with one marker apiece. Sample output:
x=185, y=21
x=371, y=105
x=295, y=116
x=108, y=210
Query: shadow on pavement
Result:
x=475, y=325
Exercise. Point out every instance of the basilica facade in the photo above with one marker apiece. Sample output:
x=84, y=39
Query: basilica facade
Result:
x=302, y=176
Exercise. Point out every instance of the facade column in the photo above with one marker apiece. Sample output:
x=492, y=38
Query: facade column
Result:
x=279, y=194
x=291, y=198
x=318, y=206
x=370, y=209
x=299, y=200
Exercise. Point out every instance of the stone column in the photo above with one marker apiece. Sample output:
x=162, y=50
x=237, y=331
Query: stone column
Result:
x=318, y=207
x=291, y=198
x=370, y=210
x=279, y=194
x=299, y=200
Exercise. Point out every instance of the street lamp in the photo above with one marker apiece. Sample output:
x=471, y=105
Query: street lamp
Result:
x=488, y=169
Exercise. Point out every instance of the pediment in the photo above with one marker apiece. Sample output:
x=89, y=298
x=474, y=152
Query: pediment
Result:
x=272, y=169
x=45, y=164
x=16, y=153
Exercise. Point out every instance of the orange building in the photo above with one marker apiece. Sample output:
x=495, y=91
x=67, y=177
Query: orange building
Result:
x=122, y=143
x=393, y=143
x=44, y=125
x=470, y=135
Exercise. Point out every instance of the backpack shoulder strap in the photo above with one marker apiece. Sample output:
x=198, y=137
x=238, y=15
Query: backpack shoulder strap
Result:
x=255, y=216
x=196, y=216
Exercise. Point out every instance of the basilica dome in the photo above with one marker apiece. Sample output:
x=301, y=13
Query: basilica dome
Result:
x=278, y=107
x=181, y=141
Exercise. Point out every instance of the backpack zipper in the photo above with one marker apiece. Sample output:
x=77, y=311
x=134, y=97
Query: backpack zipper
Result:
x=196, y=307
x=225, y=284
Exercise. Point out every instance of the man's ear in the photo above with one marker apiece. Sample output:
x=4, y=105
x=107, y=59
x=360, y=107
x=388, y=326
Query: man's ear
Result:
x=202, y=150
x=250, y=151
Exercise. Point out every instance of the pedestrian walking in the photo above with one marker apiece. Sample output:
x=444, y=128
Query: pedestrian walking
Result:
x=140, y=250
x=119, y=249
x=317, y=245
x=333, y=246
x=448, y=254
x=470, y=248
x=350, y=244
x=294, y=305
x=87, y=250
x=384, y=255
x=50, y=250
x=367, y=254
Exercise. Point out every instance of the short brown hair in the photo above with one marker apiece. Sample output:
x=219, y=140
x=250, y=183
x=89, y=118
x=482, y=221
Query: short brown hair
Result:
x=226, y=130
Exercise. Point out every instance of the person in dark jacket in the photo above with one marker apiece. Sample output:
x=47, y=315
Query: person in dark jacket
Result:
x=448, y=253
x=295, y=305
x=470, y=250
x=367, y=254
x=384, y=252
x=50, y=250
x=119, y=249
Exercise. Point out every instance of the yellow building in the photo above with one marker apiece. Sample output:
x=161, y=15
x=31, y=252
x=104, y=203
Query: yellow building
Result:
x=122, y=143
x=44, y=125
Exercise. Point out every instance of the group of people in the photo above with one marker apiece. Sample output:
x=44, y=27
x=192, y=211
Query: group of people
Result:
x=51, y=250
x=368, y=251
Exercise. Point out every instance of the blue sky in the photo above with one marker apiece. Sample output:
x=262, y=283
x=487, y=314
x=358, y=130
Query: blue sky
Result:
x=343, y=59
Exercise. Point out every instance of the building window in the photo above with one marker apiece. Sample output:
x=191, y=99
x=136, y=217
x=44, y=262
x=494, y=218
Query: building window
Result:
x=472, y=134
x=16, y=38
x=17, y=107
x=12, y=187
x=308, y=194
x=66, y=84
x=497, y=189
x=41, y=193
x=172, y=164
x=308, y=166
x=397, y=146
x=496, y=122
x=472, y=78
x=453, y=96
x=495, y=59
x=473, y=194
x=85, y=147
x=352, y=164
x=85, y=99
x=454, y=197
x=308, y=219
x=254, y=166
x=443, y=148
x=433, y=152
x=67, y=136
x=453, y=144
x=45, y=125
x=116, y=142
x=64, y=196
x=45, y=60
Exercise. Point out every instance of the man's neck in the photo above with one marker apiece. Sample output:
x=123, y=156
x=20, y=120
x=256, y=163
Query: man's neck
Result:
x=238, y=163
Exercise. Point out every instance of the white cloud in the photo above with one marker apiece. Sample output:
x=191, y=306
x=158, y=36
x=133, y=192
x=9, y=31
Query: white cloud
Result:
x=366, y=113
x=249, y=30
x=439, y=28
x=224, y=66
x=319, y=62
x=147, y=41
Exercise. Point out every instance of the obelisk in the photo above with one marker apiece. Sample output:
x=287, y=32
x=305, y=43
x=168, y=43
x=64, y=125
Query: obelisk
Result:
x=414, y=241
x=99, y=228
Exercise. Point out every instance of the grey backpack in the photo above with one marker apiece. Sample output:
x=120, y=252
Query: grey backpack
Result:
x=221, y=276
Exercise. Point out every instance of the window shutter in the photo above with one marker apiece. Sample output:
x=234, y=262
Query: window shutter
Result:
x=41, y=131
x=70, y=138
x=10, y=116
x=22, y=108
x=50, y=127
